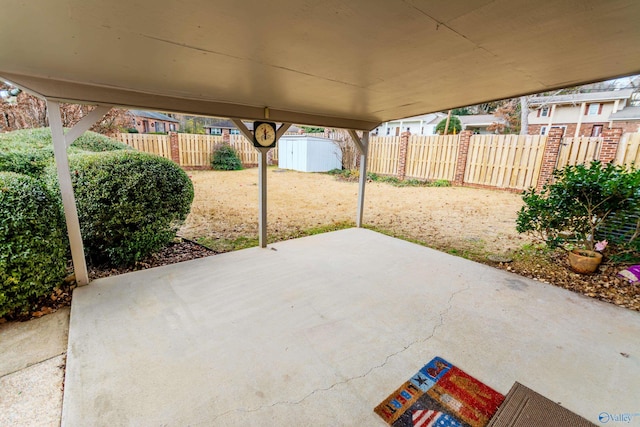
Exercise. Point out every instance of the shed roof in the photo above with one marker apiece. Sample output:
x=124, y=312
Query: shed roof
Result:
x=342, y=64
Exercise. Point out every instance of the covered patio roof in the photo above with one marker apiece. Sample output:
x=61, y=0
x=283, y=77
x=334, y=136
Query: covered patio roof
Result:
x=341, y=64
x=349, y=65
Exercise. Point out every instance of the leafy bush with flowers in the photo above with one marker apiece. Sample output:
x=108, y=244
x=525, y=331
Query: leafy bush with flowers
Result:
x=576, y=206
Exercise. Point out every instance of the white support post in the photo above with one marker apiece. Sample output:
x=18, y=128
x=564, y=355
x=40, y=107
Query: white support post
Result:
x=243, y=129
x=363, y=146
x=60, y=144
x=262, y=197
x=85, y=123
x=262, y=178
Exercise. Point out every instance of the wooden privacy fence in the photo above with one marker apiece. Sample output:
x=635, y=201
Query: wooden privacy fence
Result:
x=154, y=144
x=193, y=151
x=629, y=150
x=383, y=155
x=248, y=153
x=196, y=150
x=504, y=161
x=432, y=157
x=578, y=151
x=514, y=162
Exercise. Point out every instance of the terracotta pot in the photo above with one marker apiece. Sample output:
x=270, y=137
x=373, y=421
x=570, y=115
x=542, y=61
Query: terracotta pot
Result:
x=584, y=261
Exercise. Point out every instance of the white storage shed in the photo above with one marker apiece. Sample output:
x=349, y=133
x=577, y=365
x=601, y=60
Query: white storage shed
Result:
x=309, y=154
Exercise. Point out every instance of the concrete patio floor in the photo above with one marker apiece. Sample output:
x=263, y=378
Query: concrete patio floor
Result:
x=318, y=331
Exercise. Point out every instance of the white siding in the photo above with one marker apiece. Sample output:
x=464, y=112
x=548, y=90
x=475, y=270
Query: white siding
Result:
x=308, y=154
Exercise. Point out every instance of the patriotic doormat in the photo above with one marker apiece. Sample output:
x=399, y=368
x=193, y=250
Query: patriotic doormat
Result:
x=440, y=395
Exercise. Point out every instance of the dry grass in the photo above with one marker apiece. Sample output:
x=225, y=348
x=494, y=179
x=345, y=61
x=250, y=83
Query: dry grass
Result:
x=453, y=219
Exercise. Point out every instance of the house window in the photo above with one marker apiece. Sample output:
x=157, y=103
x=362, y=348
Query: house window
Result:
x=388, y=131
x=596, y=130
x=145, y=126
x=544, y=112
x=160, y=127
x=594, y=109
x=215, y=131
x=543, y=130
x=234, y=132
x=172, y=126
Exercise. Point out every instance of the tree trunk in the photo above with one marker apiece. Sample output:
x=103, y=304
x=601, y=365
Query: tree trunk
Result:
x=524, y=115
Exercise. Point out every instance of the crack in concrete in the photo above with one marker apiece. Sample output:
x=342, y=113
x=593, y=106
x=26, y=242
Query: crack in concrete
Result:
x=33, y=364
x=435, y=328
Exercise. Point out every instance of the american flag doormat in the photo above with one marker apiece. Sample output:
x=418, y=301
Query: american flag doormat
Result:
x=440, y=395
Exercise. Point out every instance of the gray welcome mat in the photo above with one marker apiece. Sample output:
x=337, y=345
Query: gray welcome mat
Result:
x=523, y=407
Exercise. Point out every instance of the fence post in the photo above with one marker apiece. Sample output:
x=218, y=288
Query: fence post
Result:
x=174, y=146
x=550, y=156
x=461, y=162
x=610, y=141
x=402, y=155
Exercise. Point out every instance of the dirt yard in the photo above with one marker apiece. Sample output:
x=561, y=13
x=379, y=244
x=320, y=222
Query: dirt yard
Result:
x=447, y=218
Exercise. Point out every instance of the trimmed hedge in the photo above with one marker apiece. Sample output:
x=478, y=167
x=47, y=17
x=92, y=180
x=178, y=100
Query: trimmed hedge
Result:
x=41, y=137
x=130, y=204
x=33, y=245
x=25, y=160
x=30, y=151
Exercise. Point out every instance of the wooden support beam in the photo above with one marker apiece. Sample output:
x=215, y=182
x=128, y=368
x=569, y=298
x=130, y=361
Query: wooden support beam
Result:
x=243, y=129
x=85, y=123
x=60, y=144
x=262, y=197
x=363, y=146
x=282, y=129
x=262, y=178
x=66, y=190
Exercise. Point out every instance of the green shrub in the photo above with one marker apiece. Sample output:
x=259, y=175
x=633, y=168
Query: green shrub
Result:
x=440, y=183
x=94, y=142
x=41, y=137
x=130, y=204
x=29, y=161
x=225, y=158
x=30, y=151
x=580, y=202
x=33, y=246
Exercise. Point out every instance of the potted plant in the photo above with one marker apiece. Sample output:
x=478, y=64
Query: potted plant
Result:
x=586, y=261
x=569, y=211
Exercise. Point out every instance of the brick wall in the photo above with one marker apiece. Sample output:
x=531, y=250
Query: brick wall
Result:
x=550, y=156
x=174, y=147
x=610, y=141
x=402, y=155
x=628, y=127
x=463, y=151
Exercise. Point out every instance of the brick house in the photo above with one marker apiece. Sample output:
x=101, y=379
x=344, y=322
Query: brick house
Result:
x=583, y=114
x=150, y=121
x=627, y=119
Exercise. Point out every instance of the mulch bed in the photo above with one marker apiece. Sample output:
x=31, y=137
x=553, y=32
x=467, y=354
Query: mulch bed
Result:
x=604, y=284
x=178, y=251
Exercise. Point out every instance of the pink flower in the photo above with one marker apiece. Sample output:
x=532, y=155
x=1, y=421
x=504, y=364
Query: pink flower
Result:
x=601, y=245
